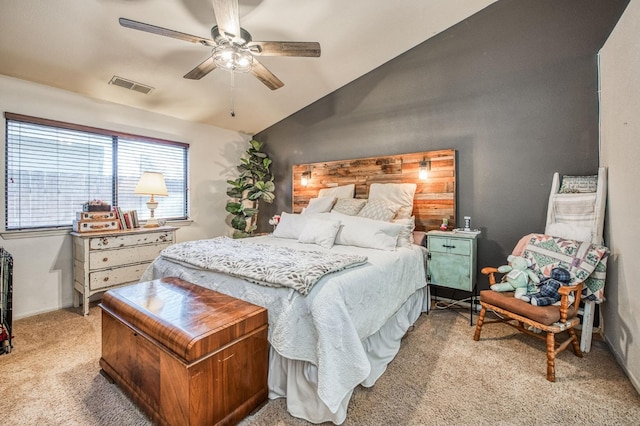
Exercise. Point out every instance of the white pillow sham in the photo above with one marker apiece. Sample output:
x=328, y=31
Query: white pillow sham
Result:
x=405, y=237
x=320, y=231
x=344, y=191
x=290, y=225
x=367, y=233
x=319, y=205
x=398, y=193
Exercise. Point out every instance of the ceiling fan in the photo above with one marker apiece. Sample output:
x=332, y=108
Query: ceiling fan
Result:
x=233, y=48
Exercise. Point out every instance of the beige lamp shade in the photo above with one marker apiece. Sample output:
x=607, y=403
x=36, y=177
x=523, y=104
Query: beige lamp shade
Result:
x=151, y=183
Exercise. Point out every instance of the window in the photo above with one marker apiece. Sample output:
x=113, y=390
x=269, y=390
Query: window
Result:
x=53, y=168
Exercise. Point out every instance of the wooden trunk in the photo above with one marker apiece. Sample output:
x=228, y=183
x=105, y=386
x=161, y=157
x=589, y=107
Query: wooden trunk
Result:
x=185, y=354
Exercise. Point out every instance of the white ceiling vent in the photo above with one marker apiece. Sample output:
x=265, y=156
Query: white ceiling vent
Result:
x=131, y=85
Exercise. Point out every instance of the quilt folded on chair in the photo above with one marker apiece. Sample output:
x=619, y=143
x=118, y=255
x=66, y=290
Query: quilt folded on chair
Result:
x=587, y=262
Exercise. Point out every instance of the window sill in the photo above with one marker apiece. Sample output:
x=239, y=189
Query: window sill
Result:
x=39, y=233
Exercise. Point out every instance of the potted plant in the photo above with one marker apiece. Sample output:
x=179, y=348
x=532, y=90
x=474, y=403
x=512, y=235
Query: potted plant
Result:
x=254, y=184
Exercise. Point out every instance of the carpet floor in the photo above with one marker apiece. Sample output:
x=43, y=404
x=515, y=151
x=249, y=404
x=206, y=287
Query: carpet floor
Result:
x=440, y=377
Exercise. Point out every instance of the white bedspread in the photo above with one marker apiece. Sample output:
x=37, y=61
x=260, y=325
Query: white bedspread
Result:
x=327, y=326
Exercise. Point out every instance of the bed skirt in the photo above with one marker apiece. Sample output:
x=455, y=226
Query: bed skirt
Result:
x=297, y=380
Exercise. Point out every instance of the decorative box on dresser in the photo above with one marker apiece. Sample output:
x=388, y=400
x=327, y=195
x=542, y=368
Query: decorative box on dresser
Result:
x=452, y=261
x=110, y=259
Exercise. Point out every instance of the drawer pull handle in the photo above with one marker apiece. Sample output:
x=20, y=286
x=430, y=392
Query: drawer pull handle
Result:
x=105, y=279
x=105, y=241
x=105, y=259
x=447, y=246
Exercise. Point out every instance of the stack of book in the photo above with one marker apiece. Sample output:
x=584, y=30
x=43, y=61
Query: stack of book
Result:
x=128, y=219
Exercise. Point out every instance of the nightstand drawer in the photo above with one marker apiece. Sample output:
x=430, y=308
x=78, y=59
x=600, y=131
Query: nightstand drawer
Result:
x=450, y=245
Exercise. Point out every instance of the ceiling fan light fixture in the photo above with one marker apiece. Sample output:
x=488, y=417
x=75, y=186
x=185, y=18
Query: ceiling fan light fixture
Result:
x=232, y=58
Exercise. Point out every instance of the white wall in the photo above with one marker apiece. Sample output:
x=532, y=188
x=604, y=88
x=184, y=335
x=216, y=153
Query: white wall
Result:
x=620, y=152
x=43, y=265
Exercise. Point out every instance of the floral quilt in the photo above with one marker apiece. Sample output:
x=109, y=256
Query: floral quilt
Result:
x=585, y=261
x=261, y=263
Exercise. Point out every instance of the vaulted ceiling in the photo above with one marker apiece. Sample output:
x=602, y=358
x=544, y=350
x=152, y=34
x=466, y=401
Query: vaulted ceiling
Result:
x=79, y=45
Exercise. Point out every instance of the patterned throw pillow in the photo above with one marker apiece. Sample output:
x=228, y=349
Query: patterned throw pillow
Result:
x=349, y=206
x=379, y=210
x=578, y=184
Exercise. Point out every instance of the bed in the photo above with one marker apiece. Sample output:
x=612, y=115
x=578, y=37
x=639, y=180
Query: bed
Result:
x=341, y=289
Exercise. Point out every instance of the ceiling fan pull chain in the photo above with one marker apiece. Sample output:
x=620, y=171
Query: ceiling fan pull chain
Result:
x=233, y=112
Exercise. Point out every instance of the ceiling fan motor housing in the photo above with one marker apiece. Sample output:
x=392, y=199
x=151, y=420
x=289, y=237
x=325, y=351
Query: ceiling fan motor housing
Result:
x=241, y=40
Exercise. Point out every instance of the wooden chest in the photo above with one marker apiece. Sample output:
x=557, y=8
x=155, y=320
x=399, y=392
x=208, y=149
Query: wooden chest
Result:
x=185, y=354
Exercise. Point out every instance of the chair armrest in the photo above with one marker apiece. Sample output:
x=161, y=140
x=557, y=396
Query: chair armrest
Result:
x=490, y=271
x=564, y=299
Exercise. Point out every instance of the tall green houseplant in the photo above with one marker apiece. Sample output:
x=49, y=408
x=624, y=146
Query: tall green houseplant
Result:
x=254, y=184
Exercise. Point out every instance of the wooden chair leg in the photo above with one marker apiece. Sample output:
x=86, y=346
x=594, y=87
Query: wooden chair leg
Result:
x=551, y=357
x=574, y=343
x=476, y=335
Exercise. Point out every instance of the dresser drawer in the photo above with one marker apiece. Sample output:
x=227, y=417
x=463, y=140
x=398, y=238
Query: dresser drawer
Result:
x=450, y=245
x=114, y=277
x=129, y=240
x=111, y=258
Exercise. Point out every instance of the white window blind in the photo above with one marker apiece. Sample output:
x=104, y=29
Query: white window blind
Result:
x=53, y=168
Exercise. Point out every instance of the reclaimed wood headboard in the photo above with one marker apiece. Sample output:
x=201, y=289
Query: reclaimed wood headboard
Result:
x=435, y=197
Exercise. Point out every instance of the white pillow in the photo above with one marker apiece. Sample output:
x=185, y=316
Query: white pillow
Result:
x=379, y=210
x=367, y=233
x=320, y=231
x=319, y=205
x=405, y=237
x=344, y=191
x=290, y=225
x=398, y=193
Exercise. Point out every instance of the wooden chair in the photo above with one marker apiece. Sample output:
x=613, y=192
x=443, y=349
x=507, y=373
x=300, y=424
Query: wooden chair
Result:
x=550, y=319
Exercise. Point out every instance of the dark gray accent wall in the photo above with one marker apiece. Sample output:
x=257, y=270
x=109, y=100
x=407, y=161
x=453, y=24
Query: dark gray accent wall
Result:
x=513, y=88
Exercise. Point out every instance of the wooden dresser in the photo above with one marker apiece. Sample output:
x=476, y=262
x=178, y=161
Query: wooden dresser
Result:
x=185, y=354
x=106, y=260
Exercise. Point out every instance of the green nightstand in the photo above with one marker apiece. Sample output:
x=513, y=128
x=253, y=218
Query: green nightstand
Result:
x=452, y=261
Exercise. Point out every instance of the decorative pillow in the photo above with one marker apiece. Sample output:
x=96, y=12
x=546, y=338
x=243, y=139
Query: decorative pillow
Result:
x=405, y=237
x=379, y=210
x=290, y=225
x=320, y=231
x=398, y=193
x=319, y=205
x=569, y=231
x=344, y=191
x=571, y=184
x=577, y=209
x=349, y=206
x=367, y=233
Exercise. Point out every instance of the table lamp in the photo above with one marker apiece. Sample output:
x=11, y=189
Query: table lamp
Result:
x=151, y=183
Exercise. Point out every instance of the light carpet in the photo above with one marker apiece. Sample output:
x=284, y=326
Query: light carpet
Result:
x=440, y=377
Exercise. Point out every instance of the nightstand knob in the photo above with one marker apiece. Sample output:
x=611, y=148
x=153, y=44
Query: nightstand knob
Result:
x=105, y=279
x=105, y=241
x=105, y=259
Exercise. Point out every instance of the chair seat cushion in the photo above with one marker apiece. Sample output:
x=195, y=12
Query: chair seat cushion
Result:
x=546, y=315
